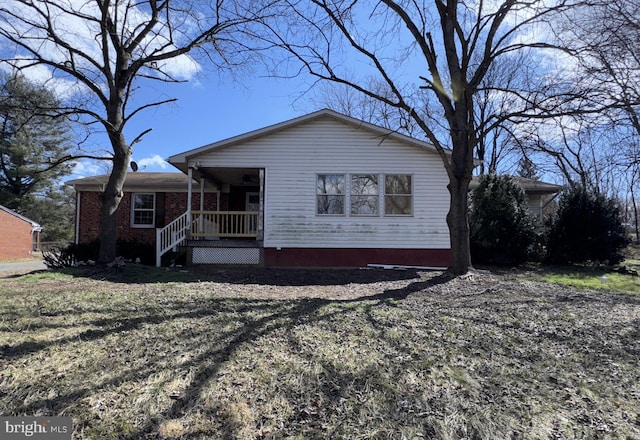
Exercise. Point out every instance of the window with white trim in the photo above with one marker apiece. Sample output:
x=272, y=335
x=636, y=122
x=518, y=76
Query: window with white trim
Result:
x=330, y=194
x=364, y=195
x=398, y=194
x=143, y=210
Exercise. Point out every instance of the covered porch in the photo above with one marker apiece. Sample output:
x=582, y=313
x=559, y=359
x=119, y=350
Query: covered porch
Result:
x=228, y=230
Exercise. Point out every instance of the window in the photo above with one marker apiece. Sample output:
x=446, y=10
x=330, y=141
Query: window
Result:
x=364, y=194
x=398, y=194
x=143, y=210
x=330, y=194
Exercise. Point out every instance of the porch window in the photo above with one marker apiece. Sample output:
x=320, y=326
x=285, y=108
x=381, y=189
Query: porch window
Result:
x=364, y=195
x=143, y=210
x=398, y=194
x=330, y=194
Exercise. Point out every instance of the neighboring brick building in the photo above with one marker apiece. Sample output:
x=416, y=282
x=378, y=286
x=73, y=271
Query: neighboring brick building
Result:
x=19, y=236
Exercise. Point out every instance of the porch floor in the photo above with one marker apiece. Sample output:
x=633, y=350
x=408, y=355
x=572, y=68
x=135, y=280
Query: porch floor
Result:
x=225, y=243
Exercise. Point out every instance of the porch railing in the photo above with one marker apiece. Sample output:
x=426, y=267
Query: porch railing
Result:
x=171, y=236
x=224, y=224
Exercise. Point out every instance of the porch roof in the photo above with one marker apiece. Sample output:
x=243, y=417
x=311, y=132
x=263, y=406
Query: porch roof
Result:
x=133, y=181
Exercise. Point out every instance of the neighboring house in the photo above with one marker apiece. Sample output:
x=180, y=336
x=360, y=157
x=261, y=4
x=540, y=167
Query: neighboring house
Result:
x=19, y=236
x=540, y=195
x=323, y=189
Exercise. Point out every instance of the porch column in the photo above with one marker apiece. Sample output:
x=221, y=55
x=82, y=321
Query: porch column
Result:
x=201, y=193
x=261, y=206
x=201, y=217
x=189, y=196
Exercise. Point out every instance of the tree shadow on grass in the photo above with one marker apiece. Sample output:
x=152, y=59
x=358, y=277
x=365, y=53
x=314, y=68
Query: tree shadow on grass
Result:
x=216, y=328
x=136, y=274
x=213, y=331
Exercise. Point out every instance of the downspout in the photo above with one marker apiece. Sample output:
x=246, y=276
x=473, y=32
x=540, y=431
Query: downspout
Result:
x=77, y=232
x=35, y=244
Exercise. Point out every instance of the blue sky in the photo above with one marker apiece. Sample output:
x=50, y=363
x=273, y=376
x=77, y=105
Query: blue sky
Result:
x=208, y=109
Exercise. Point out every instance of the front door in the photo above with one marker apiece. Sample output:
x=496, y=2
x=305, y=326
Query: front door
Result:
x=252, y=203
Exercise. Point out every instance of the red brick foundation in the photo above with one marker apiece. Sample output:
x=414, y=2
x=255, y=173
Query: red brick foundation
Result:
x=307, y=257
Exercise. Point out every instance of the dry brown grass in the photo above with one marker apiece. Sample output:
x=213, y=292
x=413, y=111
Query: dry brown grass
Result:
x=145, y=353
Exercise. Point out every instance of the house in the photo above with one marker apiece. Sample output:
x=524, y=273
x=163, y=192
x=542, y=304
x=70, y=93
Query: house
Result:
x=323, y=190
x=540, y=195
x=150, y=201
x=19, y=236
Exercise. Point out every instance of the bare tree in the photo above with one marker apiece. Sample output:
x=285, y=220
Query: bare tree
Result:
x=346, y=100
x=606, y=34
x=433, y=56
x=104, y=50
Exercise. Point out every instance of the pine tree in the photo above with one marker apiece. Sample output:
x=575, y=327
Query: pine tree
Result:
x=32, y=141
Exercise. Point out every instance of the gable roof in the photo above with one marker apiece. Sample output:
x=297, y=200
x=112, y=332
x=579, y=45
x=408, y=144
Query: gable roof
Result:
x=134, y=180
x=530, y=186
x=180, y=160
x=35, y=225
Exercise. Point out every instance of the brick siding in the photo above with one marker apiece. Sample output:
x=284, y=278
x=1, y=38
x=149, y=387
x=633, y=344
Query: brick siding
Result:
x=169, y=206
x=16, y=239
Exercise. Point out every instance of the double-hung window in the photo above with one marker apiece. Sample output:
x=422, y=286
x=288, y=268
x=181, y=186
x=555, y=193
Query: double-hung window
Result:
x=398, y=194
x=143, y=210
x=361, y=194
x=364, y=195
x=330, y=194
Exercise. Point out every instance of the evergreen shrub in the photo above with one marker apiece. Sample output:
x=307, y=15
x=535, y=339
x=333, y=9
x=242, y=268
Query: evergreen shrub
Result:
x=502, y=230
x=588, y=229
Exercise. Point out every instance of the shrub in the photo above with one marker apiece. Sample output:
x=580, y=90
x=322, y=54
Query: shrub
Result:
x=588, y=229
x=67, y=256
x=502, y=228
x=58, y=257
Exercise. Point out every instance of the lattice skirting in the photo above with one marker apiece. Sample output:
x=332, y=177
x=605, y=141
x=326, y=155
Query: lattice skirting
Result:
x=221, y=255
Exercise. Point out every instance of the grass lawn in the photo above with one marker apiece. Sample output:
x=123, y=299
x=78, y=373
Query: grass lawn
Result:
x=141, y=353
x=601, y=278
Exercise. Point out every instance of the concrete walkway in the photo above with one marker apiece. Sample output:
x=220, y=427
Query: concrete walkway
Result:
x=20, y=267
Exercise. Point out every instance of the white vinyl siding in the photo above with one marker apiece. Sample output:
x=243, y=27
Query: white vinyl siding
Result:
x=295, y=156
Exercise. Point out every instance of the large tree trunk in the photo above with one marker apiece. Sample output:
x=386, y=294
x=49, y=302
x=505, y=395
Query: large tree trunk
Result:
x=458, y=222
x=460, y=172
x=113, y=194
x=111, y=198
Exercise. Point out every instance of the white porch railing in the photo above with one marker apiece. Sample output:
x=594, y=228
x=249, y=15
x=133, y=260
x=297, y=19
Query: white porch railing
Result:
x=171, y=236
x=224, y=224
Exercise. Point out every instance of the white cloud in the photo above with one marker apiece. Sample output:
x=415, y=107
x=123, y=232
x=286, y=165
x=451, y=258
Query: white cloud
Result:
x=88, y=168
x=81, y=34
x=154, y=162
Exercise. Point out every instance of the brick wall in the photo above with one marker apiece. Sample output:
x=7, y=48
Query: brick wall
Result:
x=168, y=207
x=16, y=240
